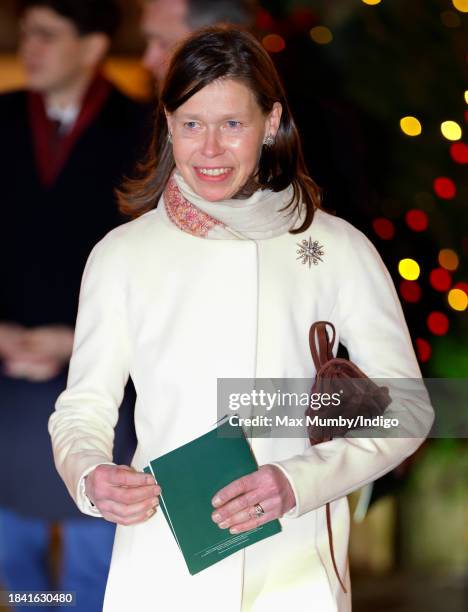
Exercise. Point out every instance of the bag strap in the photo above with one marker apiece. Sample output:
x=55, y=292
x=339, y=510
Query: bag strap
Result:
x=321, y=347
x=330, y=543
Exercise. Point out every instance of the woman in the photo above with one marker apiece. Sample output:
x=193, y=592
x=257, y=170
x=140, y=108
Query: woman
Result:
x=216, y=279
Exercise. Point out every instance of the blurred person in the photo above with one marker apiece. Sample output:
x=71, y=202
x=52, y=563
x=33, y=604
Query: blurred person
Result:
x=67, y=141
x=165, y=23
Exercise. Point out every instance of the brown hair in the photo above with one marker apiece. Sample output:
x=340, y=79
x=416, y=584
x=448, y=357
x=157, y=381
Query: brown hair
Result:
x=223, y=52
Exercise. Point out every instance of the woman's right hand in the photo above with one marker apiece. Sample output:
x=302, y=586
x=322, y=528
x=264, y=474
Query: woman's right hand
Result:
x=122, y=494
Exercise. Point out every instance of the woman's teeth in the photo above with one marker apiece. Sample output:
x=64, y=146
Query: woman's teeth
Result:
x=213, y=171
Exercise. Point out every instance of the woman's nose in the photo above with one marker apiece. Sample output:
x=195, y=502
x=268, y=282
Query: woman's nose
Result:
x=212, y=145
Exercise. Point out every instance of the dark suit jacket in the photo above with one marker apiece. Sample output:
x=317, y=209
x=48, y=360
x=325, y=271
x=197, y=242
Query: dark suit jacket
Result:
x=46, y=234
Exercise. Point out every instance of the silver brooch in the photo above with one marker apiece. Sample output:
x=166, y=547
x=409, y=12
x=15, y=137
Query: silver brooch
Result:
x=310, y=252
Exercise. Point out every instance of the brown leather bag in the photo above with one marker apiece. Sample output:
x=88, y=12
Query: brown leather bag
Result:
x=364, y=398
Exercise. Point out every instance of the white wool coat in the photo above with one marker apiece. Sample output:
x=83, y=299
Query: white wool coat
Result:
x=176, y=312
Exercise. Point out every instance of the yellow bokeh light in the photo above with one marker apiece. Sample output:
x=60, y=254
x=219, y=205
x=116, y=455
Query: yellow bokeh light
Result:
x=461, y=5
x=372, y=2
x=466, y=96
x=457, y=299
x=409, y=269
x=321, y=35
x=451, y=130
x=410, y=126
x=448, y=259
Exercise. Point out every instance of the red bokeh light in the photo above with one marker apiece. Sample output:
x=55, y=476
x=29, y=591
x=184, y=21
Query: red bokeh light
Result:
x=440, y=279
x=463, y=286
x=438, y=323
x=445, y=188
x=423, y=349
x=264, y=20
x=410, y=291
x=459, y=152
x=383, y=228
x=274, y=43
x=417, y=220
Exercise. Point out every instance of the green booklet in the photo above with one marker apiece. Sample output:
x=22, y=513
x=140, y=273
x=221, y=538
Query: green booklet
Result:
x=189, y=477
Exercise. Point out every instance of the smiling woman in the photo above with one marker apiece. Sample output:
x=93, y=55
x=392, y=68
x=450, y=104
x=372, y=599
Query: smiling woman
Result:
x=207, y=282
x=217, y=151
x=219, y=114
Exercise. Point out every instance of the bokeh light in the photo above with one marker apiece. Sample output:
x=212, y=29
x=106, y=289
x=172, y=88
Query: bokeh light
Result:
x=461, y=5
x=440, y=279
x=423, y=349
x=274, y=43
x=459, y=152
x=448, y=259
x=410, y=291
x=409, y=269
x=445, y=188
x=416, y=220
x=321, y=35
x=451, y=130
x=461, y=285
x=410, y=126
x=264, y=20
x=457, y=299
x=438, y=323
x=372, y=2
x=384, y=228
x=466, y=96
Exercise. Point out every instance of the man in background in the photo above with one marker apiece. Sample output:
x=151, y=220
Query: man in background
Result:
x=166, y=22
x=67, y=141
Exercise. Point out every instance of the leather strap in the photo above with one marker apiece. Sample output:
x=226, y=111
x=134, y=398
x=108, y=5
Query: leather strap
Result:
x=330, y=542
x=321, y=349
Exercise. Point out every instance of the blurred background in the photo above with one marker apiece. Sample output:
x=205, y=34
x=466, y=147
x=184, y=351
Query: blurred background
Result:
x=380, y=92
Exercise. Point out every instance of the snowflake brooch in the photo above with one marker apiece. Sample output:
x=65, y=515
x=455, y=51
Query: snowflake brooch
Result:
x=310, y=252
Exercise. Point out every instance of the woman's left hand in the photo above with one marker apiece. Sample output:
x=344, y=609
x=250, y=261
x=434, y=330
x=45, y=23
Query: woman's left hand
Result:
x=235, y=503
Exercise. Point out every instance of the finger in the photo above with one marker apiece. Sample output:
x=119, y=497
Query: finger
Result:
x=248, y=513
x=128, y=511
x=122, y=476
x=253, y=523
x=234, y=489
x=129, y=520
x=238, y=504
x=134, y=495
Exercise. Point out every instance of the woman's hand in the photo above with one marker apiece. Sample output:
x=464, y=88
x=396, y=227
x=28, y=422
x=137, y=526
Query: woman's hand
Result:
x=122, y=494
x=235, y=503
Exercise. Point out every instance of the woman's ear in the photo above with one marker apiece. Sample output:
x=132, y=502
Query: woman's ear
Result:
x=169, y=120
x=274, y=120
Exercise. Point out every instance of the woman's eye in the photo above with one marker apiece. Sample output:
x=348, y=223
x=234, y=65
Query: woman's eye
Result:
x=191, y=125
x=232, y=123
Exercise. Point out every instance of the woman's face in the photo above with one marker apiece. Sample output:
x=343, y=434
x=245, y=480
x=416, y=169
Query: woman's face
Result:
x=217, y=138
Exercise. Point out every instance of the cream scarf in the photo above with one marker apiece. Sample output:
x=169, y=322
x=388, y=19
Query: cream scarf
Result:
x=255, y=218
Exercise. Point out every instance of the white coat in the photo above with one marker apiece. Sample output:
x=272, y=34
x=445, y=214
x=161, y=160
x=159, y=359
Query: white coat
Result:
x=176, y=312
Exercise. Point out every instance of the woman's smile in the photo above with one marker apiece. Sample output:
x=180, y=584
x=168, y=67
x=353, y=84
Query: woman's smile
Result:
x=213, y=174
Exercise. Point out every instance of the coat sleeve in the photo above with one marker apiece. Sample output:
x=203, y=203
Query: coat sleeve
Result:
x=82, y=425
x=370, y=323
